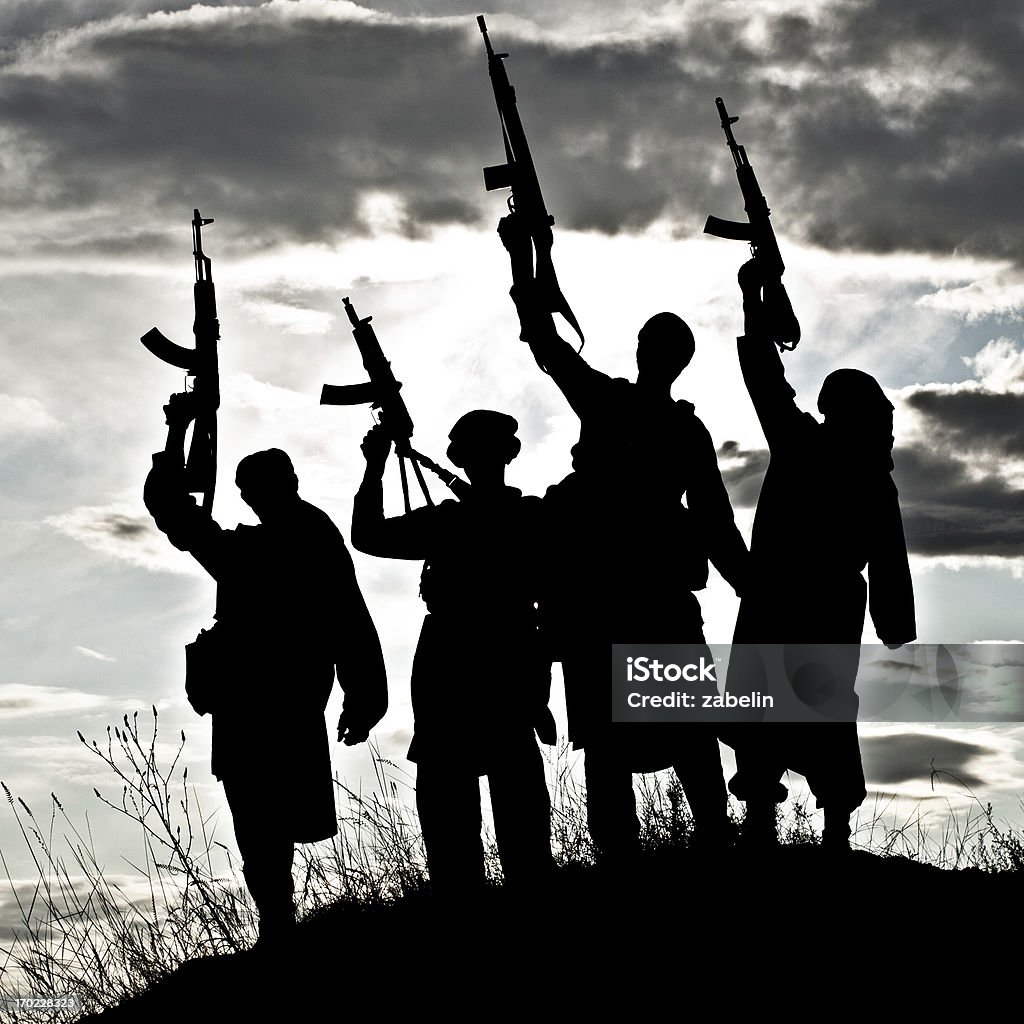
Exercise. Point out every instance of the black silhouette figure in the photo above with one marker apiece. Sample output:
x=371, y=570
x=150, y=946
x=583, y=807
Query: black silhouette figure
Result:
x=627, y=554
x=828, y=507
x=480, y=678
x=289, y=613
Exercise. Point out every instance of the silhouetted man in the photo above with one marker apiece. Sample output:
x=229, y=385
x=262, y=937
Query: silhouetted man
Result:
x=627, y=555
x=480, y=679
x=828, y=508
x=289, y=612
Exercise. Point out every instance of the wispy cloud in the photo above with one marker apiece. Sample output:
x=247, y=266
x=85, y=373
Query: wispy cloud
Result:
x=24, y=416
x=90, y=653
x=120, y=530
x=18, y=700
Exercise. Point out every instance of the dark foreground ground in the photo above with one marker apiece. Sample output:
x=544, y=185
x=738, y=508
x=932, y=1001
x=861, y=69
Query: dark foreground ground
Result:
x=737, y=936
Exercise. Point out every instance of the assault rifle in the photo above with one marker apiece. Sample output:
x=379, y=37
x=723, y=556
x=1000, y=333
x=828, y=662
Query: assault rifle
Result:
x=200, y=363
x=519, y=174
x=779, y=316
x=382, y=391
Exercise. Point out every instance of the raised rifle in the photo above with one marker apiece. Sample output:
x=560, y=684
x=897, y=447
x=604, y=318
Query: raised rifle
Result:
x=199, y=363
x=779, y=316
x=519, y=174
x=382, y=391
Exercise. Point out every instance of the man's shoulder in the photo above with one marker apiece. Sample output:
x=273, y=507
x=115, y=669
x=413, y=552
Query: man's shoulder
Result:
x=593, y=381
x=318, y=522
x=803, y=429
x=443, y=512
x=315, y=514
x=686, y=417
x=525, y=506
x=511, y=500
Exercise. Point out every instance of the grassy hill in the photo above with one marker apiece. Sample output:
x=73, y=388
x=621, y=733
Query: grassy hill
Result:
x=739, y=928
x=737, y=933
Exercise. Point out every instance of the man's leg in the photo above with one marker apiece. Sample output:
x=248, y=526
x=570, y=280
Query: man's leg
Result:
x=267, y=850
x=759, y=770
x=611, y=805
x=522, y=817
x=448, y=804
x=835, y=775
x=699, y=769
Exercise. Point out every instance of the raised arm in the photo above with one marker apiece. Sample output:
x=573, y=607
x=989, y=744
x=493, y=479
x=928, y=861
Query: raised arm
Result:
x=402, y=537
x=761, y=365
x=168, y=500
x=568, y=369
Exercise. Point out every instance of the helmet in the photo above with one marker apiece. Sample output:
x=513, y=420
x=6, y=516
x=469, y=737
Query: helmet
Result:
x=483, y=432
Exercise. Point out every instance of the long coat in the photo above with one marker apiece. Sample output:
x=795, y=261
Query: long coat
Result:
x=289, y=614
x=828, y=510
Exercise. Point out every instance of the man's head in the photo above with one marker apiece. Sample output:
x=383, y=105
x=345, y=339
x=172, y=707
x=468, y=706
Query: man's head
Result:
x=853, y=401
x=267, y=482
x=483, y=438
x=664, y=348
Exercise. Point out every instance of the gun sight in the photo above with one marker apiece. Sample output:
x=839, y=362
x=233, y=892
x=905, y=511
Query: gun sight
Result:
x=723, y=113
x=203, y=265
x=353, y=316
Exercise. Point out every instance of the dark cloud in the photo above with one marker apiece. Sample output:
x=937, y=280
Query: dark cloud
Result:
x=947, y=511
x=126, y=243
x=275, y=123
x=280, y=119
x=25, y=19
x=947, y=508
x=1007, y=662
x=887, y=665
x=123, y=528
x=108, y=529
x=900, y=139
x=911, y=757
x=973, y=420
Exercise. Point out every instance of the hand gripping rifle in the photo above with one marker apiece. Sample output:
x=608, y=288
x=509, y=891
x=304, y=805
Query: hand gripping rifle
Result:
x=200, y=363
x=381, y=391
x=778, y=311
x=519, y=174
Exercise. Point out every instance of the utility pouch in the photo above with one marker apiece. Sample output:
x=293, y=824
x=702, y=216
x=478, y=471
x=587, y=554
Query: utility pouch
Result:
x=206, y=664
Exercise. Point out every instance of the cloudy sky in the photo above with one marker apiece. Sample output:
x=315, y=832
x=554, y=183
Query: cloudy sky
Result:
x=339, y=149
